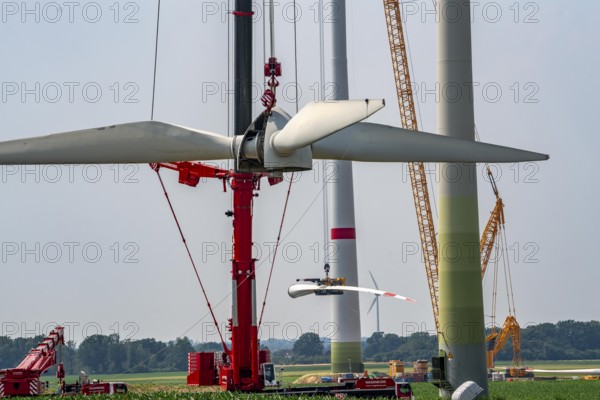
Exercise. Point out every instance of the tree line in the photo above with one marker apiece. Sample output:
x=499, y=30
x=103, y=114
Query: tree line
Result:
x=99, y=354
x=565, y=340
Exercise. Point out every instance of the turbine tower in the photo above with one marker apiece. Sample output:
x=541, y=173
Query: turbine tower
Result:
x=346, y=347
x=375, y=302
x=460, y=293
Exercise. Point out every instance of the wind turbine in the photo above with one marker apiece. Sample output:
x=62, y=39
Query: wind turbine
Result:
x=375, y=302
x=272, y=144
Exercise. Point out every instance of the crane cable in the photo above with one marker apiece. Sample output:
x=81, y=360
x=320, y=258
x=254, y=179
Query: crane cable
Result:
x=155, y=61
x=156, y=168
x=272, y=67
x=287, y=198
x=262, y=311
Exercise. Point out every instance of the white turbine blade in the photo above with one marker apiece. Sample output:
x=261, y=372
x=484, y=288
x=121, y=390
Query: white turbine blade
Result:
x=373, y=279
x=303, y=289
x=382, y=143
x=318, y=120
x=372, y=304
x=567, y=371
x=137, y=142
x=373, y=291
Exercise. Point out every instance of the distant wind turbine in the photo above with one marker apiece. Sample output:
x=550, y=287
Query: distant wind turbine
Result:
x=375, y=302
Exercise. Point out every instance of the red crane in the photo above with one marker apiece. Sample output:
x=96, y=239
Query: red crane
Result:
x=238, y=368
x=24, y=379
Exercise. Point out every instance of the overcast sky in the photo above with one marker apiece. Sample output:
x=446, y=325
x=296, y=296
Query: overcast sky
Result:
x=96, y=248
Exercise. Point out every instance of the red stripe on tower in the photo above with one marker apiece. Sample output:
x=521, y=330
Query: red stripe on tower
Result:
x=243, y=13
x=343, y=233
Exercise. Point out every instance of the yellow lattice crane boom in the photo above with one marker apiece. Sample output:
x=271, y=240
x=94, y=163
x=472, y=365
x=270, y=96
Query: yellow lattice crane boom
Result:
x=497, y=340
x=488, y=238
x=418, y=178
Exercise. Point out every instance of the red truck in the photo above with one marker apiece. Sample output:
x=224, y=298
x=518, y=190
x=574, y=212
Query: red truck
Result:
x=86, y=387
x=104, y=388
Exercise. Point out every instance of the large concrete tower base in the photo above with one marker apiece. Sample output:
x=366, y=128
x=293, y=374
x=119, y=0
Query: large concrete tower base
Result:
x=346, y=349
x=342, y=355
x=460, y=298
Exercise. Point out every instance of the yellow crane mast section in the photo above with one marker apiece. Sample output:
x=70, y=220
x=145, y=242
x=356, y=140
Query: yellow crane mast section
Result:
x=418, y=178
x=490, y=233
x=497, y=340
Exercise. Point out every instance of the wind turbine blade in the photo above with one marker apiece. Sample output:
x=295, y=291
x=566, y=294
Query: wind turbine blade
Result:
x=375, y=292
x=591, y=371
x=382, y=143
x=137, y=142
x=373, y=279
x=372, y=304
x=318, y=120
x=303, y=289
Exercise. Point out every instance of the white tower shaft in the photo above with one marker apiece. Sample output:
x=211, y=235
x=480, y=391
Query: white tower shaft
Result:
x=346, y=351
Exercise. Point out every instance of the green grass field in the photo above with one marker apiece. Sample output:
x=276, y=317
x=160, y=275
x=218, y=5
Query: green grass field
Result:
x=171, y=385
x=293, y=372
x=544, y=390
